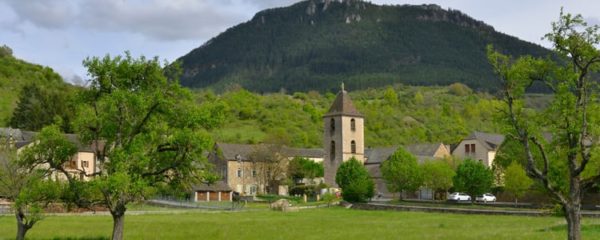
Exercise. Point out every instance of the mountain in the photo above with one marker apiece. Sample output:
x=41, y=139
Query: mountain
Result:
x=316, y=44
x=15, y=74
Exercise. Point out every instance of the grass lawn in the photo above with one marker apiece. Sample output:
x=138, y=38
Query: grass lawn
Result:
x=332, y=223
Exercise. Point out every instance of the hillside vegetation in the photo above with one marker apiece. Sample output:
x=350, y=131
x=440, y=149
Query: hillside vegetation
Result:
x=316, y=44
x=15, y=74
x=394, y=115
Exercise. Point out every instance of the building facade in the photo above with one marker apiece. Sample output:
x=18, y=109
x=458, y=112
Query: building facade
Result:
x=343, y=135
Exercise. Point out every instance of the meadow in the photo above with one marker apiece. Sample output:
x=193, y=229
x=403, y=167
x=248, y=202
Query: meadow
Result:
x=323, y=223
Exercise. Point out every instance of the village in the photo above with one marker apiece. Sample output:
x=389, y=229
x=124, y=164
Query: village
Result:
x=299, y=119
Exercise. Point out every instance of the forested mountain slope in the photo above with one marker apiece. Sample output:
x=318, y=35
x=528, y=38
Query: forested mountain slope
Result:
x=316, y=44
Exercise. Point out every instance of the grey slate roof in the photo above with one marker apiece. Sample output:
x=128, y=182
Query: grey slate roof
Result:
x=231, y=150
x=342, y=105
x=304, y=152
x=491, y=140
x=422, y=152
x=378, y=155
x=218, y=186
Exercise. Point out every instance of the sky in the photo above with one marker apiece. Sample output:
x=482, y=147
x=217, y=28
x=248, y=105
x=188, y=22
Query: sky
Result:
x=62, y=33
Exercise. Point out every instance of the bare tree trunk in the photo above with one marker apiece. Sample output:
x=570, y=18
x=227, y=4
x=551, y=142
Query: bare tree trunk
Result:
x=573, y=216
x=118, y=223
x=22, y=227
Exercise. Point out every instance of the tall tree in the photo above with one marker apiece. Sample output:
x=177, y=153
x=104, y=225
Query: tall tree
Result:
x=145, y=129
x=516, y=181
x=38, y=107
x=26, y=186
x=354, y=179
x=563, y=166
x=402, y=173
x=473, y=177
x=270, y=165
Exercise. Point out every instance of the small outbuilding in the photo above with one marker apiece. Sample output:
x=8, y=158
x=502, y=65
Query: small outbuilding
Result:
x=213, y=192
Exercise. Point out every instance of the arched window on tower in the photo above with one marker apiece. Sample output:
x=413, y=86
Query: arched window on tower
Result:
x=332, y=126
x=332, y=152
x=352, y=125
x=353, y=147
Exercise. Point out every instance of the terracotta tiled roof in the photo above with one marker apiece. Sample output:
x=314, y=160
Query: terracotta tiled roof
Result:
x=342, y=105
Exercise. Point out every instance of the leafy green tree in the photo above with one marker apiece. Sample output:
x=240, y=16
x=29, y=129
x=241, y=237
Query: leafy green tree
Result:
x=38, y=107
x=459, y=89
x=565, y=165
x=437, y=175
x=26, y=187
x=356, y=184
x=300, y=168
x=390, y=96
x=5, y=51
x=516, y=181
x=401, y=172
x=473, y=177
x=150, y=130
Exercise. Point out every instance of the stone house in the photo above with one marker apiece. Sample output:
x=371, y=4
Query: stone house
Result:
x=82, y=164
x=236, y=168
x=479, y=146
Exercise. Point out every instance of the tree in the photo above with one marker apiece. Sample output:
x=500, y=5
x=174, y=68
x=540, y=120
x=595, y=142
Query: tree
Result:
x=26, y=187
x=145, y=130
x=401, y=172
x=473, y=177
x=390, y=96
x=516, y=181
x=563, y=166
x=300, y=168
x=38, y=107
x=5, y=51
x=270, y=165
x=437, y=175
x=356, y=184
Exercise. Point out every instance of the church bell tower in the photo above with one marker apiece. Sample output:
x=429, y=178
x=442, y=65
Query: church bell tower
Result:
x=343, y=135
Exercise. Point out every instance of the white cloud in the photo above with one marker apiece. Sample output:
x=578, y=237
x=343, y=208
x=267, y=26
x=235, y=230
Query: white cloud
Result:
x=44, y=13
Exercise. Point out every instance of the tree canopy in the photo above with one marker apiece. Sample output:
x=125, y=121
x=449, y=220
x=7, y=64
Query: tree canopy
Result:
x=144, y=128
x=473, y=177
x=401, y=172
x=356, y=184
x=567, y=164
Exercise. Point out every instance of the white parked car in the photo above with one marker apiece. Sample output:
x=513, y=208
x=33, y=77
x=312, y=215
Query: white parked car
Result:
x=488, y=197
x=458, y=196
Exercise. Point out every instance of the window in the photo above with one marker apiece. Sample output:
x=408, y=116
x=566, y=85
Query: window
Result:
x=332, y=125
x=332, y=150
x=353, y=146
x=239, y=172
x=84, y=164
x=352, y=125
x=253, y=173
x=469, y=149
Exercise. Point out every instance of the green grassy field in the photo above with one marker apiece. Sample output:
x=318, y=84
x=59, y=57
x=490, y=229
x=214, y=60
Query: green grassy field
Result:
x=332, y=223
